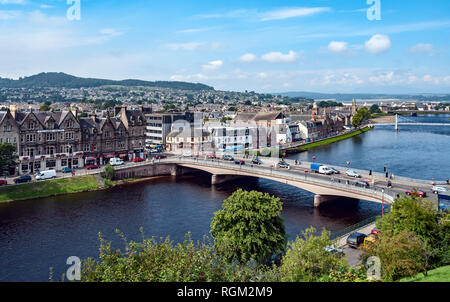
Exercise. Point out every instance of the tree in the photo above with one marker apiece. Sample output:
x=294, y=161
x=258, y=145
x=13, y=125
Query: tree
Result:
x=7, y=158
x=307, y=260
x=401, y=255
x=249, y=227
x=365, y=114
x=375, y=109
x=44, y=108
x=109, y=172
x=357, y=120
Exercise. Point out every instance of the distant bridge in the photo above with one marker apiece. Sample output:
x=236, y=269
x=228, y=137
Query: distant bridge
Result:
x=409, y=122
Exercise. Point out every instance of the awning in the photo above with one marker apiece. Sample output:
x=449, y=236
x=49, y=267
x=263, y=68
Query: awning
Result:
x=123, y=155
x=91, y=158
x=109, y=155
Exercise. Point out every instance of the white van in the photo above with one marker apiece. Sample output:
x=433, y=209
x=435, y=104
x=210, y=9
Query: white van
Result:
x=325, y=170
x=116, y=161
x=46, y=175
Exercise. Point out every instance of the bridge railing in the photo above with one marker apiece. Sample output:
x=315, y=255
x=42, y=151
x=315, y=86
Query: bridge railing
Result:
x=290, y=174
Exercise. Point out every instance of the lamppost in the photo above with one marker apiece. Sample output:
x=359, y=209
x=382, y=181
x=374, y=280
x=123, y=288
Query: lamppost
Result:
x=382, y=203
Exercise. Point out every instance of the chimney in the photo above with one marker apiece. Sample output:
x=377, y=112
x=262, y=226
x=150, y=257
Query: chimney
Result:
x=141, y=108
x=123, y=111
x=93, y=116
x=74, y=111
x=13, y=109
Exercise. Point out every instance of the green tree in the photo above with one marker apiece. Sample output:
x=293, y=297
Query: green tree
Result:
x=375, y=109
x=249, y=227
x=7, y=158
x=307, y=260
x=44, y=108
x=109, y=172
x=357, y=120
x=365, y=113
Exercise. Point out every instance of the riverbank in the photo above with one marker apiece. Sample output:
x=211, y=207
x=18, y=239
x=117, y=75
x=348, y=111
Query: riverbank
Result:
x=49, y=188
x=326, y=141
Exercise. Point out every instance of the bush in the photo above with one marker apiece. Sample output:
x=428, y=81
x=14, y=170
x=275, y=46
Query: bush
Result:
x=109, y=172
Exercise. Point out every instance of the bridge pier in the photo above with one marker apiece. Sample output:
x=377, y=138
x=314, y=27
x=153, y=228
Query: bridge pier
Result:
x=321, y=200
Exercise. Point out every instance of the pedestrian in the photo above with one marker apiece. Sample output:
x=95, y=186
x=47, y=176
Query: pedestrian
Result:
x=73, y=173
x=370, y=173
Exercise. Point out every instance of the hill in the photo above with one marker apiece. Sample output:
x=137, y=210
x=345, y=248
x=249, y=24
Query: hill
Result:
x=62, y=80
x=441, y=274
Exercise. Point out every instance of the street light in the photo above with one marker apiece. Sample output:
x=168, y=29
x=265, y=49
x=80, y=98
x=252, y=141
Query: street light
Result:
x=382, y=202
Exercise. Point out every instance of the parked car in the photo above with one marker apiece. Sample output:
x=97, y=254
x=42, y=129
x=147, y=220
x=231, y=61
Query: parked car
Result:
x=335, y=171
x=352, y=173
x=239, y=162
x=228, y=157
x=22, y=179
x=116, y=161
x=334, y=251
x=187, y=154
x=363, y=184
x=138, y=160
x=257, y=161
x=160, y=156
x=416, y=193
x=212, y=156
x=92, y=167
x=355, y=239
x=369, y=240
x=67, y=170
x=437, y=189
x=3, y=183
x=46, y=175
x=284, y=165
x=376, y=231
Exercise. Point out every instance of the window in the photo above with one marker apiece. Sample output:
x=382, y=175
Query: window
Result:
x=63, y=162
x=8, y=127
x=50, y=150
x=75, y=162
x=69, y=136
x=51, y=137
x=50, y=164
x=31, y=125
x=31, y=138
x=30, y=152
x=70, y=124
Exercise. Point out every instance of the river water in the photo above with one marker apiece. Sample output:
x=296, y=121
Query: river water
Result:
x=39, y=234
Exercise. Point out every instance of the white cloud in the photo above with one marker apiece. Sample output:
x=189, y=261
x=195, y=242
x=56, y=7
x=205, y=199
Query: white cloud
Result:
x=213, y=65
x=247, y=58
x=421, y=48
x=287, y=13
x=278, y=57
x=338, y=46
x=111, y=32
x=9, y=14
x=382, y=78
x=378, y=44
x=13, y=1
x=190, y=46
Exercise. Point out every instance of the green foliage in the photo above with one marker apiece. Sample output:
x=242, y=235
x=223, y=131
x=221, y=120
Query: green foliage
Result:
x=327, y=104
x=357, y=120
x=162, y=261
x=401, y=255
x=375, y=109
x=44, y=108
x=307, y=260
x=362, y=115
x=441, y=274
x=109, y=172
x=249, y=227
x=7, y=158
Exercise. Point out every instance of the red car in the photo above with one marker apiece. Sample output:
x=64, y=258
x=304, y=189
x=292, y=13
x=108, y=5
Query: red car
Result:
x=416, y=193
x=138, y=160
x=212, y=156
x=3, y=182
x=92, y=167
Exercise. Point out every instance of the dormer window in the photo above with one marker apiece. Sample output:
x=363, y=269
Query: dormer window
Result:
x=51, y=125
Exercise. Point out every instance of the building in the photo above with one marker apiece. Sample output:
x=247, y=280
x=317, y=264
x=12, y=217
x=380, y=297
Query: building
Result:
x=195, y=141
x=159, y=125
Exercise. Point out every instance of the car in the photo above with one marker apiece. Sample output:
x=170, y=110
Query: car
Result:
x=3, y=182
x=67, y=170
x=116, y=161
x=416, y=193
x=212, y=156
x=228, y=157
x=334, y=251
x=92, y=167
x=50, y=174
x=284, y=165
x=257, y=161
x=155, y=151
x=22, y=179
x=160, y=156
x=352, y=173
x=370, y=240
x=355, y=239
x=138, y=160
x=187, y=154
x=239, y=162
x=437, y=189
x=363, y=184
x=335, y=171
x=375, y=231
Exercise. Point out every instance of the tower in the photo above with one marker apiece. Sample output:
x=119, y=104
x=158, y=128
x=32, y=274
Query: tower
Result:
x=354, y=107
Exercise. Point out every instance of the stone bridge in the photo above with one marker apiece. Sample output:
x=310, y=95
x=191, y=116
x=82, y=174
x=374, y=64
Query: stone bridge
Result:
x=324, y=188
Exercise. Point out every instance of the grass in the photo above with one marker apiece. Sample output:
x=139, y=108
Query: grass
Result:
x=48, y=188
x=441, y=274
x=331, y=140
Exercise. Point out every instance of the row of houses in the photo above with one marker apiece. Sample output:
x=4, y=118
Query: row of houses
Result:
x=55, y=140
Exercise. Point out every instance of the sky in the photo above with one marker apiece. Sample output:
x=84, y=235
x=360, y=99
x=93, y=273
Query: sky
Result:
x=331, y=46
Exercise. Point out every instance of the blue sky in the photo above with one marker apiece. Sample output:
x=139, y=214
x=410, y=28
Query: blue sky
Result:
x=265, y=46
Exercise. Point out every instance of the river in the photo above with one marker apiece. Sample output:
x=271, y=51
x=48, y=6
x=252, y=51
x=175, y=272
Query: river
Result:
x=38, y=234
